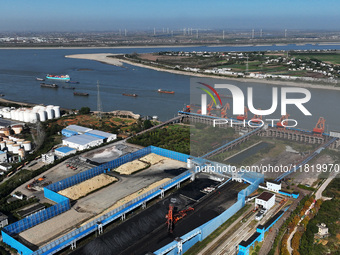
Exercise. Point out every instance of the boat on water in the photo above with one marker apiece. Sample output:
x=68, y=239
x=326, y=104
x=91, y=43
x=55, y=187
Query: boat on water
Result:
x=165, y=91
x=2, y=95
x=61, y=77
x=73, y=82
x=46, y=85
x=39, y=79
x=80, y=94
x=130, y=95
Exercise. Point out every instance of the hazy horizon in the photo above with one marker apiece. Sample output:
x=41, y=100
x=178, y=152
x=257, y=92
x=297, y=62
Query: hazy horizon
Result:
x=106, y=15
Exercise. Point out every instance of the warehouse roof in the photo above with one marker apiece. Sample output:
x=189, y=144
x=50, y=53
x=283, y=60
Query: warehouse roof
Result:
x=77, y=128
x=99, y=133
x=82, y=139
x=266, y=196
x=64, y=149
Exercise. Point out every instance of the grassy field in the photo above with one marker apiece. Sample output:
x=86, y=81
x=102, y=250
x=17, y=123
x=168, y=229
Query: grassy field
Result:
x=333, y=58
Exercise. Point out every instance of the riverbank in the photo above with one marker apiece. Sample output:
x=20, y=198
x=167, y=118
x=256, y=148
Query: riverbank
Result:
x=111, y=60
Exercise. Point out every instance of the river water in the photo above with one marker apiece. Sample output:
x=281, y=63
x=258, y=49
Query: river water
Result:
x=19, y=67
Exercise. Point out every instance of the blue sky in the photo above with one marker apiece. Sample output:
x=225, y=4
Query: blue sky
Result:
x=84, y=15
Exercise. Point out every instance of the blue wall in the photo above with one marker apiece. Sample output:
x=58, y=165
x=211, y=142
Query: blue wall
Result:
x=209, y=227
x=15, y=244
x=63, y=203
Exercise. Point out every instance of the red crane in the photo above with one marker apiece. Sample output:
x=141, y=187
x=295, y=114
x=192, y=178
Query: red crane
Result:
x=245, y=116
x=210, y=106
x=224, y=110
x=283, y=121
x=172, y=217
x=257, y=118
x=320, y=126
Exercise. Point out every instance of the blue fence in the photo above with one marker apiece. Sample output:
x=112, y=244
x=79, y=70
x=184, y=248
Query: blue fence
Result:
x=63, y=203
x=206, y=229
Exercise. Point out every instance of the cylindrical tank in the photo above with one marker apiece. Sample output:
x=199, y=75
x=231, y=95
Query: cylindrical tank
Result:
x=16, y=148
x=13, y=138
x=20, y=141
x=5, y=131
x=2, y=145
x=27, y=146
x=42, y=115
x=12, y=112
x=33, y=117
x=9, y=146
x=17, y=129
x=7, y=115
x=21, y=115
x=56, y=111
x=27, y=115
x=50, y=112
x=22, y=153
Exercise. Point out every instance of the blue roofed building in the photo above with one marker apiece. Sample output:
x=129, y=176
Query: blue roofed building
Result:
x=64, y=151
x=68, y=133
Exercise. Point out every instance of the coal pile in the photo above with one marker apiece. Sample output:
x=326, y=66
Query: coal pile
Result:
x=147, y=231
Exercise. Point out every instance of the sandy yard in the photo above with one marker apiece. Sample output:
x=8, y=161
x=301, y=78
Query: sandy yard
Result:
x=153, y=158
x=82, y=189
x=131, y=167
x=130, y=197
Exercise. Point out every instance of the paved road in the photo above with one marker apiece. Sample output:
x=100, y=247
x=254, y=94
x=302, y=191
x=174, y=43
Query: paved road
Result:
x=318, y=194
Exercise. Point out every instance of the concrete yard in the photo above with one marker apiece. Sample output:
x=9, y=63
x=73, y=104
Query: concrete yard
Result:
x=96, y=202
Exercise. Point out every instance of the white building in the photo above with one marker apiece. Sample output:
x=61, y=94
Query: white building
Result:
x=78, y=129
x=274, y=186
x=3, y=220
x=5, y=166
x=323, y=230
x=107, y=137
x=3, y=157
x=47, y=158
x=82, y=142
x=266, y=200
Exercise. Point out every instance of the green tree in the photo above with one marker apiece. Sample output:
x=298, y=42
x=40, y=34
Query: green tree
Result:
x=84, y=110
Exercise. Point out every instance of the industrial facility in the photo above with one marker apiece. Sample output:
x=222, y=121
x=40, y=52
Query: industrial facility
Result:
x=81, y=138
x=31, y=115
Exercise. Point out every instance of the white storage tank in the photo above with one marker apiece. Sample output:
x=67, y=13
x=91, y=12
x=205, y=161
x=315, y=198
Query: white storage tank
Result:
x=27, y=146
x=42, y=115
x=50, y=112
x=2, y=145
x=16, y=148
x=13, y=112
x=20, y=141
x=22, y=153
x=17, y=129
x=21, y=115
x=56, y=111
x=33, y=117
x=27, y=115
x=9, y=146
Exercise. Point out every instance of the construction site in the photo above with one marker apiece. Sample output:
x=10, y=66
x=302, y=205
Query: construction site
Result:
x=154, y=200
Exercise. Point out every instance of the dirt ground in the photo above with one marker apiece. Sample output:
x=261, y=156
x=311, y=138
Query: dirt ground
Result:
x=82, y=189
x=284, y=159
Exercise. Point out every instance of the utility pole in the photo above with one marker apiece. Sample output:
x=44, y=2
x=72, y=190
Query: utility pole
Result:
x=99, y=102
